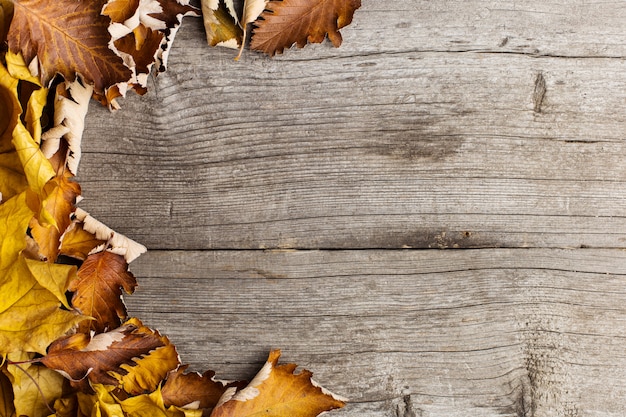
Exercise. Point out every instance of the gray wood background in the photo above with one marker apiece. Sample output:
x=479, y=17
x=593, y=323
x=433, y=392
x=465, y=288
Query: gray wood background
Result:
x=431, y=218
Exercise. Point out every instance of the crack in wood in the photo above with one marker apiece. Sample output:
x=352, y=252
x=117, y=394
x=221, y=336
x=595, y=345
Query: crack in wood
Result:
x=539, y=93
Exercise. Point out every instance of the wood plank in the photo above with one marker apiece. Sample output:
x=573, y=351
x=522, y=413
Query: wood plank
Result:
x=513, y=332
x=411, y=149
x=464, y=124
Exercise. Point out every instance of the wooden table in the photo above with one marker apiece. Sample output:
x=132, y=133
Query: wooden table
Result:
x=431, y=218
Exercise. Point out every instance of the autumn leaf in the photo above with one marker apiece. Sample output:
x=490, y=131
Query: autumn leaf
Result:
x=142, y=35
x=67, y=37
x=182, y=389
x=77, y=243
x=70, y=109
x=146, y=405
x=147, y=371
x=117, y=242
x=98, y=291
x=289, y=22
x=35, y=387
x=57, y=204
x=18, y=141
x=277, y=392
x=221, y=24
x=30, y=314
x=101, y=359
x=252, y=9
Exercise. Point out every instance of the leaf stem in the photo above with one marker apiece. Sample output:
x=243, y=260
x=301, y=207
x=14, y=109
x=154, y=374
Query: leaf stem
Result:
x=43, y=397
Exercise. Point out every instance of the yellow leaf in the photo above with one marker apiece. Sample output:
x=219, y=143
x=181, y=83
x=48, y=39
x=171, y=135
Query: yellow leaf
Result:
x=30, y=315
x=277, y=392
x=18, y=69
x=12, y=179
x=25, y=142
x=145, y=405
x=28, y=389
x=53, y=277
x=9, y=107
x=149, y=370
x=37, y=168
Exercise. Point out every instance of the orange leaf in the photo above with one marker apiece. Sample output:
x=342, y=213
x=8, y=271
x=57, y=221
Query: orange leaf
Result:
x=182, y=389
x=77, y=242
x=277, y=392
x=98, y=290
x=67, y=37
x=59, y=200
x=79, y=356
x=300, y=21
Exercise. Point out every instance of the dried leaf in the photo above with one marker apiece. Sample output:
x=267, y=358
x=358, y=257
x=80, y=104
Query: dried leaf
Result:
x=78, y=356
x=252, y=9
x=220, y=25
x=142, y=35
x=301, y=21
x=54, y=207
x=67, y=37
x=117, y=242
x=77, y=243
x=149, y=370
x=24, y=141
x=202, y=391
x=35, y=392
x=30, y=314
x=147, y=405
x=98, y=291
x=70, y=108
x=277, y=392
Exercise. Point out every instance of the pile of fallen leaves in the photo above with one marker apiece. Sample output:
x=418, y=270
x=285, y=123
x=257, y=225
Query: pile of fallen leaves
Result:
x=67, y=345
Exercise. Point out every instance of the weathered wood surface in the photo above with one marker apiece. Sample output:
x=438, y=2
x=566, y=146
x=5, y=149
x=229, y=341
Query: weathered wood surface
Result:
x=490, y=125
x=454, y=333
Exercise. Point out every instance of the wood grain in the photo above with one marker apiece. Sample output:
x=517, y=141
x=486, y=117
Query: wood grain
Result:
x=496, y=127
x=469, y=332
x=406, y=148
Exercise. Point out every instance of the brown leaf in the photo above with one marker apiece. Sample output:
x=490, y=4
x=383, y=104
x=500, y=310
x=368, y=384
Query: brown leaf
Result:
x=79, y=356
x=98, y=291
x=277, y=392
x=151, y=42
x=301, y=21
x=77, y=242
x=67, y=37
x=182, y=389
